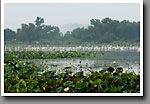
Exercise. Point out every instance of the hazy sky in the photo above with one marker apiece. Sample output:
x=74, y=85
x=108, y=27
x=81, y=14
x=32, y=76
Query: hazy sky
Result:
x=67, y=16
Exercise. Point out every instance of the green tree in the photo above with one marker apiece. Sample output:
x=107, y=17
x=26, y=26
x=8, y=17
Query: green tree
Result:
x=39, y=21
x=9, y=34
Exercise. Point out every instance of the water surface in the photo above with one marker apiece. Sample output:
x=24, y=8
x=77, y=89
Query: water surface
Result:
x=126, y=59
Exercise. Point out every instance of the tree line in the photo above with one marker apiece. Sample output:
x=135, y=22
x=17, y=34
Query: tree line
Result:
x=99, y=31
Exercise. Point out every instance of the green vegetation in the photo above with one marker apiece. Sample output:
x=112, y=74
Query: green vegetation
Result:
x=24, y=77
x=46, y=55
x=100, y=31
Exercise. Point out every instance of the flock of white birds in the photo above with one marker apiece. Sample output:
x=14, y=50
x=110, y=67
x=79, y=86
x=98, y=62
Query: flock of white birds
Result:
x=78, y=48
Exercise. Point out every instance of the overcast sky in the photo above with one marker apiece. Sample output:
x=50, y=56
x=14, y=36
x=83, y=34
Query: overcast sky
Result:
x=67, y=16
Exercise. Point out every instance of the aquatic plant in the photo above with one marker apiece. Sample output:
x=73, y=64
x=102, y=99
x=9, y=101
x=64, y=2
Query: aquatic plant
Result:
x=47, y=55
x=24, y=77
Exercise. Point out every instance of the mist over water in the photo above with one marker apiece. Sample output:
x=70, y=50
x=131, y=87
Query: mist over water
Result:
x=69, y=27
x=67, y=14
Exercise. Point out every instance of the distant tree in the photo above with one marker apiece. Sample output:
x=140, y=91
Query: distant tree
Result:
x=106, y=31
x=50, y=32
x=39, y=21
x=30, y=32
x=9, y=34
x=99, y=31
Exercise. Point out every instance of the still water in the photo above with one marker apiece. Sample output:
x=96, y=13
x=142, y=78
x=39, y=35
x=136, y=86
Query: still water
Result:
x=127, y=59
